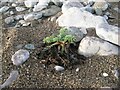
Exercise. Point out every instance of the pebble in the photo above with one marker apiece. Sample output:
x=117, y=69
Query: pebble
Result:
x=11, y=12
x=109, y=32
x=14, y=5
x=51, y=11
x=30, y=3
x=117, y=9
x=19, y=17
x=13, y=76
x=77, y=69
x=9, y=20
x=59, y=68
x=41, y=5
x=90, y=46
x=19, y=9
x=101, y=4
x=4, y=9
x=57, y=2
x=105, y=74
x=116, y=73
x=20, y=57
x=29, y=46
x=74, y=17
x=33, y=16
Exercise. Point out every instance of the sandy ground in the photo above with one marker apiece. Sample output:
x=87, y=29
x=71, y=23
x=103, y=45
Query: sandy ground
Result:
x=33, y=74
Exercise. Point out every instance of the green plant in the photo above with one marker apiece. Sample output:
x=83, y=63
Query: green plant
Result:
x=62, y=40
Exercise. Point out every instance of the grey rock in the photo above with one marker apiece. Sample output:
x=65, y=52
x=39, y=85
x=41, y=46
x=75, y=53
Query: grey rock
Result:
x=19, y=9
x=20, y=57
x=29, y=46
x=11, y=12
x=90, y=46
x=98, y=11
x=75, y=32
x=117, y=9
x=33, y=16
x=4, y=9
x=13, y=76
x=109, y=33
x=19, y=17
x=9, y=20
x=30, y=3
x=57, y=2
x=51, y=11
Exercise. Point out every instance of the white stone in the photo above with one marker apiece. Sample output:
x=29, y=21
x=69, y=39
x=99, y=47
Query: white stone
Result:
x=101, y=4
x=90, y=46
x=75, y=32
x=77, y=69
x=19, y=9
x=20, y=57
x=14, y=5
x=59, y=68
x=18, y=17
x=9, y=20
x=68, y=4
x=109, y=32
x=74, y=17
x=32, y=16
x=105, y=74
x=41, y=5
x=30, y=3
x=11, y=12
x=4, y=9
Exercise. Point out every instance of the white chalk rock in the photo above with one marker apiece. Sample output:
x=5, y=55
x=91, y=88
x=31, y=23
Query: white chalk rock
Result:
x=20, y=57
x=74, y=17
x=30, y=3
x=59, y=68
x=109, y=32
x=41, y=5
x=68, y=4
x=19, y=9
x=90, y=46
x=33, y=16
x=4, y=9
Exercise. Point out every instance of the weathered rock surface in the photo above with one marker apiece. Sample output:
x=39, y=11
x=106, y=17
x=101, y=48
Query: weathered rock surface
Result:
x=109, y=32
x=90, y=46
x=74, y=17
x=30, y=3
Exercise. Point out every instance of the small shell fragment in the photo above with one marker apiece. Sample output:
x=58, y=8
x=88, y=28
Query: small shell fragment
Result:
x=105, y=74
x=59, y=68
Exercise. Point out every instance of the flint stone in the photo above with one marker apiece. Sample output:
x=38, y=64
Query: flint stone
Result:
x=90, y=46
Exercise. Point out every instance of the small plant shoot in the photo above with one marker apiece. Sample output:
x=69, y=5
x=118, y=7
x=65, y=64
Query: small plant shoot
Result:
x=62, y=40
